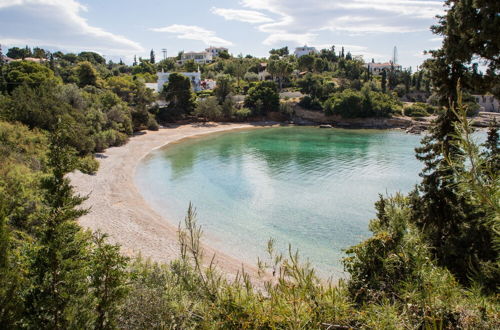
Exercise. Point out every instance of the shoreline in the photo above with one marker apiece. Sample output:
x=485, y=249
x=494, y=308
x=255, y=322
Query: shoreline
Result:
x=117, y=208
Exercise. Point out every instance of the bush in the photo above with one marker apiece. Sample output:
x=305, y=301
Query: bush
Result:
x=308, y=102
x=208, y=108
x=419, y=109
x=152, y=124
x=354, y=104
x=243, y=113
x=205, y=93
x=88, y=164
x=109, y=138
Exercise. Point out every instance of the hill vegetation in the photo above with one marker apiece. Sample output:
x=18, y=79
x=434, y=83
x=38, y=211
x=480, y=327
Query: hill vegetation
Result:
x=432, y=261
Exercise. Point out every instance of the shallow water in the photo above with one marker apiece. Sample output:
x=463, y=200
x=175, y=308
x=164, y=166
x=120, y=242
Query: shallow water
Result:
x=313, y=188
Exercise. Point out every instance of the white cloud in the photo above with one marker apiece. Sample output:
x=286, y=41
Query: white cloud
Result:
x=193, y=32
x=297, y=38
x=306, y=18
x=58, y=23
x=248, y=16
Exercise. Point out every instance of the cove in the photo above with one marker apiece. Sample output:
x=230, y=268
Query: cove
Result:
x=312, y=188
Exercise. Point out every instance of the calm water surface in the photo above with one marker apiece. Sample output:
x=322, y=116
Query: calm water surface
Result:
x=313, y=188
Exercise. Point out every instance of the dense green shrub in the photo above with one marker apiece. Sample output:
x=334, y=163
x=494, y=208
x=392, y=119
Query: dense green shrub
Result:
x=353, y=104
x=243, y=113
x=419, y=110
x=308, y=102
x=263, y=98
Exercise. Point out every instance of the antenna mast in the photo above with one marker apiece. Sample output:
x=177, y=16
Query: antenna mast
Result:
x=395, y=55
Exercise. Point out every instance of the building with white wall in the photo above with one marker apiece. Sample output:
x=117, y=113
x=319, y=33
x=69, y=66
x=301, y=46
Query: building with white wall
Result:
x=194, y=77
x=301, y=51
x=377, y=68
x=215, y=51
x=487, y=103
x=197, y=57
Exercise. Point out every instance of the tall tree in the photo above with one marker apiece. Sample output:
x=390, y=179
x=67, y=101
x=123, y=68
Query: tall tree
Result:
x=178, y=93
x=152, y=57
x=280, y=70
x=450, y=223
x=58, y=298
x=224, y=87
x=384, y=80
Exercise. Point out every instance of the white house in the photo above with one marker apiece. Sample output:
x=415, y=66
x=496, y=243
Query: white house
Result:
x=301, y=51
x=487, y=103
x=195, y=78
x=197, y=57
x=215, y=51
x=377, y=68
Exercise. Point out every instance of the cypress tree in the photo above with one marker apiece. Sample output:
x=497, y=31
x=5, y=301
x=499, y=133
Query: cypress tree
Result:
x=59, y=264
x=152, y=57
x=384, y=81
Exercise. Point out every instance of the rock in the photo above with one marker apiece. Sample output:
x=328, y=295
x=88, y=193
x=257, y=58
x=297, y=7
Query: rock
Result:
x=325, y=126
x=416, y=129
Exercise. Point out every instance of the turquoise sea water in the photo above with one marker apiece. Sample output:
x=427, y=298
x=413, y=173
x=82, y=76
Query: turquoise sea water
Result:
x=308, y=187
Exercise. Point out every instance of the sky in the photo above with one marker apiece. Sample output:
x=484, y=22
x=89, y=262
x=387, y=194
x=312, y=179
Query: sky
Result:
x=124, y=28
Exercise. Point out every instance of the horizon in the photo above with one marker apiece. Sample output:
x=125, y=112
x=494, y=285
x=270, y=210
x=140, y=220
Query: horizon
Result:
x=367, y=28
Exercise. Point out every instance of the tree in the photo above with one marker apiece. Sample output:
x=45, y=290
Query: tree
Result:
x=224, y=87
x=135, y=61
x=237, y=67
x=224, y=55
x=92, y=57
x=384, y=81
x=492, y=149
x=306, y=63
x=58, y=298
x=29, y=73
x=280, y=51
x=263, y=98
x=152, y=57
x=190, y=66
x=87, y=74
x=178, y=93
x=108, y=281
x=208, y=108
x=39, y=53
x=280, y=70
x=469, y=30
x=19, y=53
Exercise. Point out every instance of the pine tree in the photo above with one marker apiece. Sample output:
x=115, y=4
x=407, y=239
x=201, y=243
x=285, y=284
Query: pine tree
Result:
x=152, y=57
x=135, y=61
x=59, y=267
x=108, y=280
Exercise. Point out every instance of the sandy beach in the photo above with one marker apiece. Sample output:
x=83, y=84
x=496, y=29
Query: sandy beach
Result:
x=118, y=209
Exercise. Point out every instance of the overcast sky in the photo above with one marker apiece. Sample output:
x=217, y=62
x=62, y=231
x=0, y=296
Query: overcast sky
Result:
x=122, y=28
